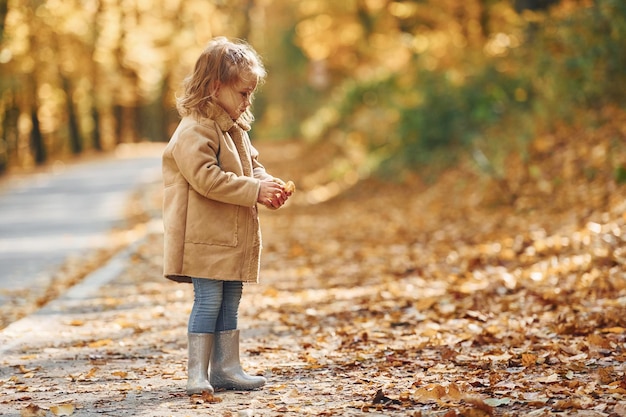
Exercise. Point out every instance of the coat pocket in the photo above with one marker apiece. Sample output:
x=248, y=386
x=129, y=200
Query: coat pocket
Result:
x=211, y=222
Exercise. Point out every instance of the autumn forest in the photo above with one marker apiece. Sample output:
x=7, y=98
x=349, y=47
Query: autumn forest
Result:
x=456, y=243
x=390, y=84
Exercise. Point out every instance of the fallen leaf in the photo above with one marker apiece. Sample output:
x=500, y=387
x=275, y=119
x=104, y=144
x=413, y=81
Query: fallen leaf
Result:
x=620, y=409
x=431, y=392
x=381, y=398
x=91, y=374
x=496, y=402
x=616, y=330
x=63, y=409
x=597, y=340
x=454, y=392
x=32, y=410
x=528, y=359
x=100, y=343
x=549, y=379
x=563, y=405
x=606, y=375
x=204, y=398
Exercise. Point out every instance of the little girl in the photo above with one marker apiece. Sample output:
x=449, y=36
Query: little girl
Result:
x=212, y=184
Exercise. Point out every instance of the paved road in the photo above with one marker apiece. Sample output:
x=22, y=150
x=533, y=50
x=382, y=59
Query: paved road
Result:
x=47, y=217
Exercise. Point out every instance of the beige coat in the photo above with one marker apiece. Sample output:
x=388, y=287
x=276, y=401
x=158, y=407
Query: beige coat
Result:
x=211, y=180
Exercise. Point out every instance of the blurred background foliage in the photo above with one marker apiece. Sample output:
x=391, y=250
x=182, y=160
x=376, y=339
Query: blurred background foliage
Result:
x=390, y=86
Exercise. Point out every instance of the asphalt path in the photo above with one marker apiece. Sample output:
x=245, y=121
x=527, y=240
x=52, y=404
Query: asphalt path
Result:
x=47, y=217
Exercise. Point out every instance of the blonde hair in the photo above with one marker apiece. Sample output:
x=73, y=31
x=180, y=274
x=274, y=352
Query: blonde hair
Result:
x=222, y=62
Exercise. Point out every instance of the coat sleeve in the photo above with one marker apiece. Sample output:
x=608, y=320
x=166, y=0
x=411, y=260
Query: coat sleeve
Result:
x=196, y=155
x=258, y=169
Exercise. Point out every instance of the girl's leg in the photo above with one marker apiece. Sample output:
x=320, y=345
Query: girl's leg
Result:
x=201, y=329
x=208, y=298
x=226, y=371
x=228, y=314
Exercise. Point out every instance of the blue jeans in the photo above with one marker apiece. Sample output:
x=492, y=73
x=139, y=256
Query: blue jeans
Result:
x=215, y=305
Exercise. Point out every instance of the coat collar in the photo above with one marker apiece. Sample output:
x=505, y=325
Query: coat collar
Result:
x=223, y=120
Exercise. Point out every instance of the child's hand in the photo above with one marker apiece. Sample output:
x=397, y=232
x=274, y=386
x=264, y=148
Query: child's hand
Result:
x=272, y=194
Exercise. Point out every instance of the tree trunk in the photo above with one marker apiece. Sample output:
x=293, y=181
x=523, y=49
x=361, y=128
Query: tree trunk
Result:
x=38, y=148
x=76, y=142
x=10, y=134
x=4, y=10
x=96, y=137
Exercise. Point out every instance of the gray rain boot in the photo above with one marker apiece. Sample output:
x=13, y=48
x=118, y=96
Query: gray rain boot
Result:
x=226, y=372
x=200, y=348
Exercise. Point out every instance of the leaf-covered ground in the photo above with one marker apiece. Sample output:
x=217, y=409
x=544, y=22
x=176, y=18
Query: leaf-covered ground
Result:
x=401, y=300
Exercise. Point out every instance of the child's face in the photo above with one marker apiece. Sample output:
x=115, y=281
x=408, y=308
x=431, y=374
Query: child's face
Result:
x=235, y=99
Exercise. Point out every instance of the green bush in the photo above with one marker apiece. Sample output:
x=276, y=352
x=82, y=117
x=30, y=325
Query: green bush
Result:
x=453, y=116
x=579, y=61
